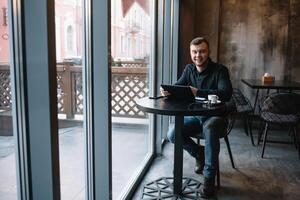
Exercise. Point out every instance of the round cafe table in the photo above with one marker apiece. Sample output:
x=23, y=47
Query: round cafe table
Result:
x=176, y=187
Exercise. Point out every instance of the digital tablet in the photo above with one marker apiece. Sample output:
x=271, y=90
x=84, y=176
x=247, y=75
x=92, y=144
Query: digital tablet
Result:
x=179, y=92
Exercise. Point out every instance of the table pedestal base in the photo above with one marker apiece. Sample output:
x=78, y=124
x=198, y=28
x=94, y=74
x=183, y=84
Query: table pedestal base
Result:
x=162, y=188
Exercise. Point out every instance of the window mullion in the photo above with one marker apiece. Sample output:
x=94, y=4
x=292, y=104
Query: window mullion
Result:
x=35, y=107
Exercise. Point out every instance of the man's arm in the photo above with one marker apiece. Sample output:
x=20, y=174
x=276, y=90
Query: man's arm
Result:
x=224, y=85
x=184, y=78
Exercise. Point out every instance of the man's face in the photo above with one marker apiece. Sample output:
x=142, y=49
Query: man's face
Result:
x=199, y=54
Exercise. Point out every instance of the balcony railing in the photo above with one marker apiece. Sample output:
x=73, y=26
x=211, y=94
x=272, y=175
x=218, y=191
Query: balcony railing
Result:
x=5, y=88
x=128, y=84
x=136, y=64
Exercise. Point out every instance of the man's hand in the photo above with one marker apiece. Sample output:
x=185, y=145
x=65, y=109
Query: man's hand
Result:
x=194, y=90
x=163, y=92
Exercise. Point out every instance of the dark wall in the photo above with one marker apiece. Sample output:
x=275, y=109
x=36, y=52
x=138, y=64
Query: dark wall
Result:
x=195, y=21
x=294, y=40
x=187, y=12
x=251, y=37
x=254, y=38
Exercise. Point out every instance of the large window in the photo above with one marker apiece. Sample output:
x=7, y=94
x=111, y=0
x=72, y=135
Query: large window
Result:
x=131, y=80
x=70, y=98
x=77, y=130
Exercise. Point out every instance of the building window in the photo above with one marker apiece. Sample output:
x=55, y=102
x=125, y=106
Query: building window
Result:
x=123, y=44
x=70, y=36
x=141, y=48
x=129, y=53
x=141, y=21
x=5, y=16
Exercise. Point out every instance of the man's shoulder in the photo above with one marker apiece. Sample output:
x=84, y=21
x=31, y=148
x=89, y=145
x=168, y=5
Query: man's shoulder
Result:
x=217, y=66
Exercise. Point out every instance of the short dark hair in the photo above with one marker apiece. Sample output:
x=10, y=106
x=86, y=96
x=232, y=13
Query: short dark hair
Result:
x=199, y=40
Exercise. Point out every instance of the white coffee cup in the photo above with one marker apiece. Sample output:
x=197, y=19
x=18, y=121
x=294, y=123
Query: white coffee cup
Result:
x=213, y=98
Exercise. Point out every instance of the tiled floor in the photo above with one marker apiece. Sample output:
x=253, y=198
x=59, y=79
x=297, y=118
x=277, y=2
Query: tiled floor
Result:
x=276, y=177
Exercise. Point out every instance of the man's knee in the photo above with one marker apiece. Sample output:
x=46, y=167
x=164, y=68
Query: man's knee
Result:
x=216, y=126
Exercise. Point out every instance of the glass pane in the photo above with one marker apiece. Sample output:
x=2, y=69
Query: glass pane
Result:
x=69, y=48
x=8, y=183
x=131, y=54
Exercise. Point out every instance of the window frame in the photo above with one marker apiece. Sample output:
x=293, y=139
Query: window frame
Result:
x=34, y=60
x=35, y=123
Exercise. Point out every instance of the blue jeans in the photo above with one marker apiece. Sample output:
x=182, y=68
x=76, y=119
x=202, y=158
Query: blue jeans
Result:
x=211, y=128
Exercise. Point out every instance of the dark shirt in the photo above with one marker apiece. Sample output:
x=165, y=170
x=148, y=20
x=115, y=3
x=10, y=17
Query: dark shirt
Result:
x=213, y=80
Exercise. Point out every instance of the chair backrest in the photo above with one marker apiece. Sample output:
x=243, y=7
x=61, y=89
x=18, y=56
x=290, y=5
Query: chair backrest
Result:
x=242, y=103
x=282, y=103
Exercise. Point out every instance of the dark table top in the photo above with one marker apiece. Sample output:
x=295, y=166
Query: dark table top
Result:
x=164, y=106
x=277, y=84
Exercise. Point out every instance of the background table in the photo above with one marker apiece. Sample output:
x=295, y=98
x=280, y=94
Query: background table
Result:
x=165, y=106
x=277, y=84
x=258, y=84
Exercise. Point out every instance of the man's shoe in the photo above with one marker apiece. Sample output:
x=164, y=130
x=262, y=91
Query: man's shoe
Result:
x=200, y=161
x=207, y=189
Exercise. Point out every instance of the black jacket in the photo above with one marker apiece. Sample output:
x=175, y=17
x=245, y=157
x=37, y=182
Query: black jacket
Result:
x=213, y=80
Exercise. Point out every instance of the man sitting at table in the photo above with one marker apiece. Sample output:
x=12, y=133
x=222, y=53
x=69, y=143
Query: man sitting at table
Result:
x=204, y=77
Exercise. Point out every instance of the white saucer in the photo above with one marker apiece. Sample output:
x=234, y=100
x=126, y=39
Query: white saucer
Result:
x=200, y=98
x=218, y=102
